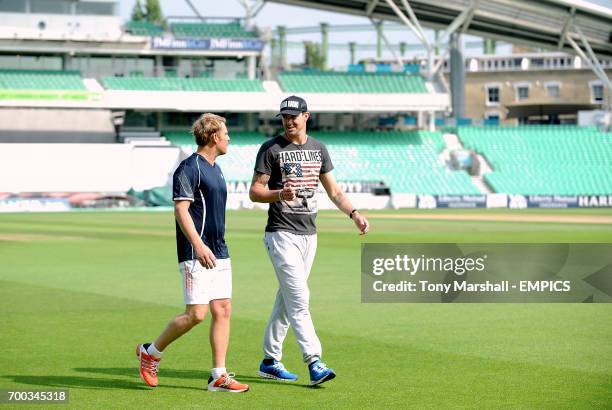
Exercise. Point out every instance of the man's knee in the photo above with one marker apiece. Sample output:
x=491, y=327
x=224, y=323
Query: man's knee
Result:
x=221, y=308
x=196, y=314
x=297, y=304
x=297, y=297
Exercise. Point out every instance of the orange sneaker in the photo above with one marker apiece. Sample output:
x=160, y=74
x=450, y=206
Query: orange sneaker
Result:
x=227, y=383
x=148, y=365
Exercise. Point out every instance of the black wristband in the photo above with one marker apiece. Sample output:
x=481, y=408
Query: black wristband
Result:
x=352, y=213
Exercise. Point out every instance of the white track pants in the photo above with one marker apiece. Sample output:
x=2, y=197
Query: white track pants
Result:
x=292, y=256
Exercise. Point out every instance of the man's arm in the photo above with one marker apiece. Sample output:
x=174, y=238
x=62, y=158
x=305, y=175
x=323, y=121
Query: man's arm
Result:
x=259, y=191
x=342, y=201
x=202, y=252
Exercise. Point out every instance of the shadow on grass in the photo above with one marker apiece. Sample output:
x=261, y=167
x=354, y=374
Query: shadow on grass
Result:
x=186, y=374
x=133, y=372
x=77, y=382
x=261, y=380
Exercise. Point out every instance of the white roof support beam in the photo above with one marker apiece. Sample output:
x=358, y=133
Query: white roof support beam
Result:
x=566, y=26
x=591, y=60
x=399, y=59
x=370, y=7
x=250, y=11
x=443, y=81
x=416, y=30
x=260, y=5
x=464, y=17
x=194, y=9
x=461, y=21
x=441, y=60
x=416, y=23
x=599, y=69
x=405, y=20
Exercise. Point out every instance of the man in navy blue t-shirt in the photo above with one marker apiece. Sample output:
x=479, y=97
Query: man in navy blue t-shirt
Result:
x=200, y=195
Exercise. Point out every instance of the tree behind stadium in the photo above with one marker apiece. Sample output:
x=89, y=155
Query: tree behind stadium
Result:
x=151, y=12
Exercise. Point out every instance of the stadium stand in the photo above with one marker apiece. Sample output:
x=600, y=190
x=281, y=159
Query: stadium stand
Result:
x=544, y=160
x=41, y=80
x=143, y=28
x=405, y=161
x=351, y=82
x=210, y=30
x=181, y=84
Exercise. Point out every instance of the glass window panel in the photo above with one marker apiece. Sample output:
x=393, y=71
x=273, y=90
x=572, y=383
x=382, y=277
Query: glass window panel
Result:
x=50, y=6
x=95, y=8
x=493, y=94
x=13, y=6
x=553, y=90
x=598, y=93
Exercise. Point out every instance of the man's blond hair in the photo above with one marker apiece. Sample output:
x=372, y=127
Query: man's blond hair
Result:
x=205, y=126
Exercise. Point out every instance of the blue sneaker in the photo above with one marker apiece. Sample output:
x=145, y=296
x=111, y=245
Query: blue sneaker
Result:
x=319, y=373
x=276, y=371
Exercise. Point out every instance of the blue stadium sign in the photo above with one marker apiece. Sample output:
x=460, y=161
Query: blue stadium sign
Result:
x=451, y=201
x=222, y=44
x=552, y=201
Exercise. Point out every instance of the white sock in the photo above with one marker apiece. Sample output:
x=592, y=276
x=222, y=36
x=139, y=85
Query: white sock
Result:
x=152, y=350
x=218, y=372
x=312, y=359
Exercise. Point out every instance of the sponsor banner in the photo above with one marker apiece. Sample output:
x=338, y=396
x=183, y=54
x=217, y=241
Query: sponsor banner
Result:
x=224, y=44
x=552, y=201
x=560, y=201
x=451, y=201
x=349, y=187
x=486, y=273
x=595, y=201
x=34, y=205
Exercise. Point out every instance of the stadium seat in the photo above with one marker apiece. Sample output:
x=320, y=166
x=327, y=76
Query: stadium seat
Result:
x=351, y=82
x=181, y=84
x=41, y=80
x=144, y=28
x=544, y=159
x=211, y=30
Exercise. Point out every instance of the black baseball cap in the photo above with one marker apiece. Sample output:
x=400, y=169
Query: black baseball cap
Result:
x=293, y=105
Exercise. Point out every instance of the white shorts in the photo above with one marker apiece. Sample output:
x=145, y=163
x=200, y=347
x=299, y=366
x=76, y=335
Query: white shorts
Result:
x=201, y=285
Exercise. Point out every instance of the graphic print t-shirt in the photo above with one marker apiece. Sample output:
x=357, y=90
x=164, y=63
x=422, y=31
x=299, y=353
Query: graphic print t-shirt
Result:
x=301, y=166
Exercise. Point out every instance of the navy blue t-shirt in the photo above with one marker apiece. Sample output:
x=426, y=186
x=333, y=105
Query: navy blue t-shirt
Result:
x=203, y=184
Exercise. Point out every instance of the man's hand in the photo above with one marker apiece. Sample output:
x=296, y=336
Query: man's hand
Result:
x=361, y=223
x=287, y=193
x=205, y=256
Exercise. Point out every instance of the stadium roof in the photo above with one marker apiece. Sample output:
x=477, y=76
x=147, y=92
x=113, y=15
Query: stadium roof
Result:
x=544, y=23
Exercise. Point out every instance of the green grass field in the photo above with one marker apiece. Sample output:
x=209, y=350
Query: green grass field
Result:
x=80, y=290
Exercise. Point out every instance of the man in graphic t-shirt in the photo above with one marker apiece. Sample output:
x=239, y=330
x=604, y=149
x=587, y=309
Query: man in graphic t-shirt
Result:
x=288, y=169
